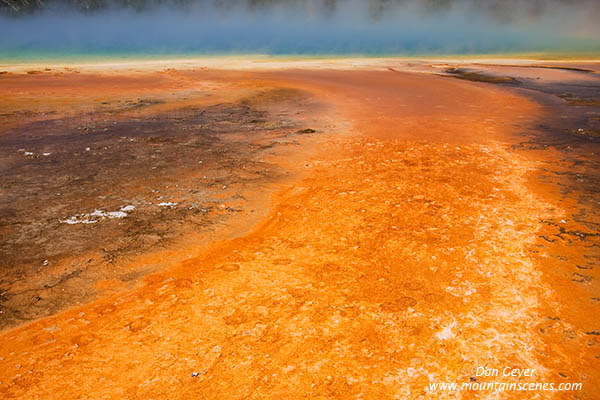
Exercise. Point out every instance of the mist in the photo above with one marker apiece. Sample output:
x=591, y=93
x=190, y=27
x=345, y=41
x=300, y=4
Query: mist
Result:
x=306, y=27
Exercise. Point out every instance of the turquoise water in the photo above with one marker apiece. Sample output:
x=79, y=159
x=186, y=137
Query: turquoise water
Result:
x=67, y=57
x=352, y=27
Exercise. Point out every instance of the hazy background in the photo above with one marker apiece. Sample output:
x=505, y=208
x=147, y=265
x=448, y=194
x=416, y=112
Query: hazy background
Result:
x=30, y=27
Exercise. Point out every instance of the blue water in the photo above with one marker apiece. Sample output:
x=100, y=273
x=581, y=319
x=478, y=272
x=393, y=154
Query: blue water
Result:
x=405, y=28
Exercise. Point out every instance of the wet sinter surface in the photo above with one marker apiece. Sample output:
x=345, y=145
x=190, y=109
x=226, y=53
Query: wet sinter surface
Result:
x=408, y=252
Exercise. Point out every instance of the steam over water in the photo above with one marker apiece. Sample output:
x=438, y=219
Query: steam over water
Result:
x=308, y=27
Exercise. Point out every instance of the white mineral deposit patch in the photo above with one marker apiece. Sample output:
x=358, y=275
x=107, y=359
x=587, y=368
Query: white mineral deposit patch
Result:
x=98, y=215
